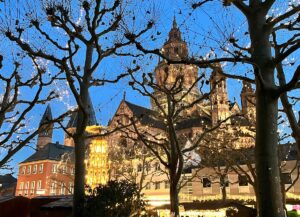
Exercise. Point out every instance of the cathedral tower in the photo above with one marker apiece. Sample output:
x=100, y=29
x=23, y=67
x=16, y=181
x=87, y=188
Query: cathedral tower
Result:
x=166, y=74
x=45, y=136
x=219, y=95
x=71, y=126
x=248, y=101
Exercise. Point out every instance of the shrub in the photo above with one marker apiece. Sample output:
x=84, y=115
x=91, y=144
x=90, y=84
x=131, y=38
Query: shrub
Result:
x=292, y=213
x=115, y=199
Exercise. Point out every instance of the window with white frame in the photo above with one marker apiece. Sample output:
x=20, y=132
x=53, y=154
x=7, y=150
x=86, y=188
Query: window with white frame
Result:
x=26, y=188
x=63, y=169
x=23, y=170
x=32, y=187
x=21, y=186
x=41, y=168
x=34, y=169
x=71, y=188
x=29, y=169
x=54, y=168
x=39, y=185
x=62, y=188
x=53, y=188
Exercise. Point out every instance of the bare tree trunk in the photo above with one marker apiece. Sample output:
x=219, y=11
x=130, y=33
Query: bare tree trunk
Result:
x=223, y=183
x=79, y=137
x=174, y=200
x=79, y=191
x=283, y=197
x=224, y=194
x=269, y=197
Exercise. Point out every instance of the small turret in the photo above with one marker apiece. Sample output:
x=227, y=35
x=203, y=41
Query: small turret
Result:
x=248, y=101
x=45, y=136
x=219, y=95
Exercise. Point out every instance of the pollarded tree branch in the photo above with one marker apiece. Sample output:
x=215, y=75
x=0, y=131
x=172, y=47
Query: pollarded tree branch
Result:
x=284, y=16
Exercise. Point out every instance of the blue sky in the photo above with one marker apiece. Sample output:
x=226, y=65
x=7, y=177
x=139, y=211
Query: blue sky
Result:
x=203, y=29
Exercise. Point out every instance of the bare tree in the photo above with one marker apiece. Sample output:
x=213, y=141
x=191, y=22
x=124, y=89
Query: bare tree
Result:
x=76, y=46
x=223, y=152
x=16, y=107
x=131, y=163
x=166, y=130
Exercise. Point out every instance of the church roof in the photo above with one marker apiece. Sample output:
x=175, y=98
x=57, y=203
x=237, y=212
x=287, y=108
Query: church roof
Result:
x=47, y=116
x=149, y=117
x=51, y=151
x=193, y=122
x=231, y=104
x=91, y=116
x=146, y=116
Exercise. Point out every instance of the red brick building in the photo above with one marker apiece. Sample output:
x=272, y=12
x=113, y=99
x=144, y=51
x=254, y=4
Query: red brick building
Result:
x=50, y=170
x=47, y=172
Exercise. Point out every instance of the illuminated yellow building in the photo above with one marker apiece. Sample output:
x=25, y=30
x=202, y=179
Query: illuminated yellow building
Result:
x=96, y=148
x=96, y=163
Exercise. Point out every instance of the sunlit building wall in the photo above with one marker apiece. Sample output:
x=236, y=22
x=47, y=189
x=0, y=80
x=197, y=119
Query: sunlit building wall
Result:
x=96, y=163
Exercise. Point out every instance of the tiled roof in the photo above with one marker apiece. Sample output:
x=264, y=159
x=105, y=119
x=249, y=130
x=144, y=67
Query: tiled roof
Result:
x=51, y=151
x=146, y=116
x=231, y=104
x=7, y=179
x=193, y=122
x=149, y=117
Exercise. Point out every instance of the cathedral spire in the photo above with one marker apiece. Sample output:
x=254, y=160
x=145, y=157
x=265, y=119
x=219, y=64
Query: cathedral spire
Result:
x=174, y=34
x=174, y=22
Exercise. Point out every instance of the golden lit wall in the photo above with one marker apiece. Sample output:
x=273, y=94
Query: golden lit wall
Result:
x=97, y=163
